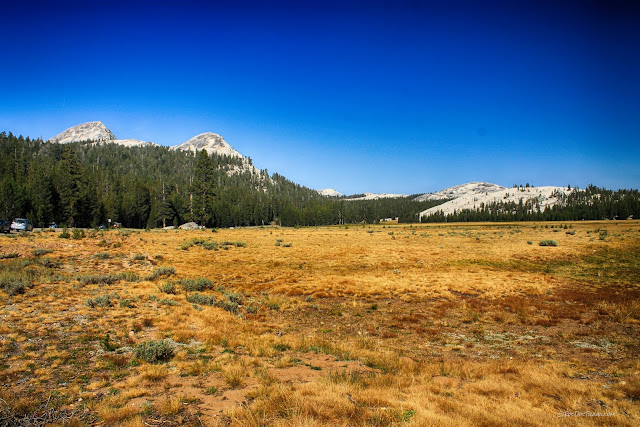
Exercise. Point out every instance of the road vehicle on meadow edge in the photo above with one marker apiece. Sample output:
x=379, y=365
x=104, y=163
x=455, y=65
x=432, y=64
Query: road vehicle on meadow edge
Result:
x=21, y=224
x=5, y=226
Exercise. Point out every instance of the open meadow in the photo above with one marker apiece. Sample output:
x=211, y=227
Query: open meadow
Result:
x=456, y=324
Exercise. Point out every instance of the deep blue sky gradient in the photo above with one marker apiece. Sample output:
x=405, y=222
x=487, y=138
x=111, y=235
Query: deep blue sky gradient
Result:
x=394, y=96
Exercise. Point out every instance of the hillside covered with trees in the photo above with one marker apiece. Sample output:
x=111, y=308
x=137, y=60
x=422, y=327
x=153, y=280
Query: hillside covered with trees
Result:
x=592, y=203
x=84, y=185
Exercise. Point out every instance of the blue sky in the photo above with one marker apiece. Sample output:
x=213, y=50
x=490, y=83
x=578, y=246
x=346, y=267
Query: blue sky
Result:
x=390, y=96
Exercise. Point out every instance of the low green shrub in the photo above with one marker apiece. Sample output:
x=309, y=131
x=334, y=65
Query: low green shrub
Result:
x=197, y=298
x=127, y=302
x=41, y=251
x=9, y=255
x=234, y=297
x=229, y=306
x=198, y=241
x=107, y=345
x=210, y=246
x=548, y=242
x=192, y=285
x=161, y=272
x=168, y=288
x=97, y=279
x=101, y=301
x=154, y=351
x=13, y=285
x=192, y=242
x=129, y=276
x=238, y=244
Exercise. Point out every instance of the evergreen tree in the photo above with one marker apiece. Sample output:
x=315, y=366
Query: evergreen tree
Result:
x=70, y=185
x=203, y=189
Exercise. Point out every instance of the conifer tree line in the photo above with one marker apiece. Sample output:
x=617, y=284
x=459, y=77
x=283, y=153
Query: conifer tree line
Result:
x=592, y=203
x=85, y=184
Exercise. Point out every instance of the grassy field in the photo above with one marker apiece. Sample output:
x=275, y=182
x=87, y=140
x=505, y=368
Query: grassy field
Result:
x=461, y=324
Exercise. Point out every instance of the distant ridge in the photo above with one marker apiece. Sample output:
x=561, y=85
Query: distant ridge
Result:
x=469, y=196
x=98, y=133
x=474, y=195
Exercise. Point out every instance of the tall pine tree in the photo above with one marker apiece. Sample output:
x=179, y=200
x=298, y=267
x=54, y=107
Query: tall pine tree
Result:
x=203, y=189
x=70, y=175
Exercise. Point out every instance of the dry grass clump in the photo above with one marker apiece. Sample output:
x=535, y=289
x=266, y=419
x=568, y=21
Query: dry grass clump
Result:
x=113, y=415
x=234, y=373
x=153, y=373
x=169, y=405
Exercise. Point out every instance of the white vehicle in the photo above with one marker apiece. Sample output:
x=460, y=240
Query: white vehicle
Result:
x=21, y=224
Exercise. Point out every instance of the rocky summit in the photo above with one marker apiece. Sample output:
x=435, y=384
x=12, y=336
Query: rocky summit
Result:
x=90, y=131
x=212, y=142
x=97, y=133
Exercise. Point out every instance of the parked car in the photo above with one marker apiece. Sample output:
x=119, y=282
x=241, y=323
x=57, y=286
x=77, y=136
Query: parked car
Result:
x=5, y=226
x=53, y=225
x=21, y=224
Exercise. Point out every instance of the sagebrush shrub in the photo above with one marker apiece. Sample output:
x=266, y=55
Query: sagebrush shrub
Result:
x=168, y=288
x=161, y=272
x=154, y=351
x=197, y=298
x=13, y=285
x=101, y=301
x=192, y=285
x=41, y=251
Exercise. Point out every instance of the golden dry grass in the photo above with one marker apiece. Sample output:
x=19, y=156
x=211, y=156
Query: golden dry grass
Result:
x=458, y=324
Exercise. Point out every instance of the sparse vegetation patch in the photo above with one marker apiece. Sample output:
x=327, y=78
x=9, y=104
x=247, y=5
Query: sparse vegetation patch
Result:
x=154, y=351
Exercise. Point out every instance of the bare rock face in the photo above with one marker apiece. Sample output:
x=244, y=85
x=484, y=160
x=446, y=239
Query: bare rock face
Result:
x=376, y=196
x=463, y=190
x=90, y=131
x=190, y=226
x=215, y=144
x=97, y=133
x=473, y=195
x=133, y=143
x=212, y=142
x=329, y=192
